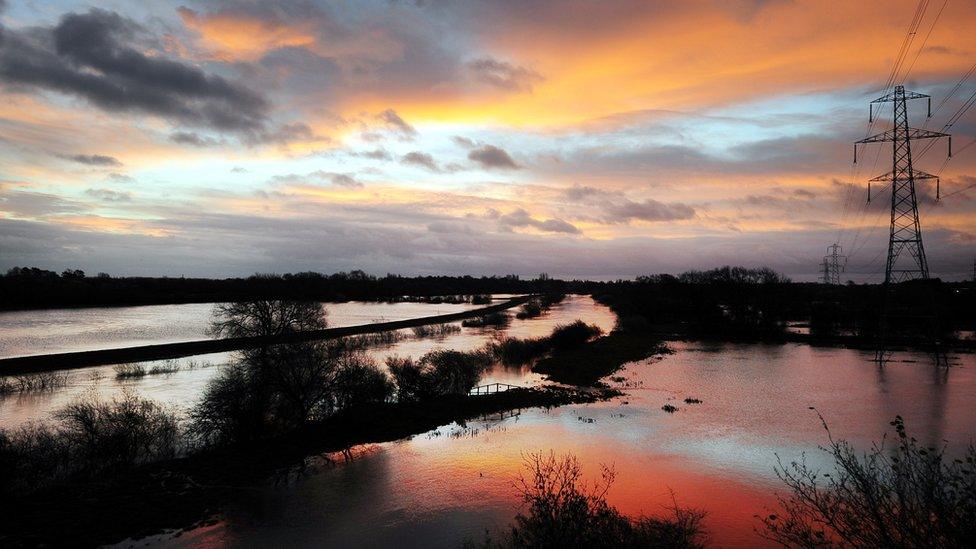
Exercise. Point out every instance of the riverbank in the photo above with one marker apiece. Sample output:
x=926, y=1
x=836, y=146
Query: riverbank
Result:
x=181, y=493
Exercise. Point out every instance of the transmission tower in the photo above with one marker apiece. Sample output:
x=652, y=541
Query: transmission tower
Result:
x=906, y=254
x=833, y=264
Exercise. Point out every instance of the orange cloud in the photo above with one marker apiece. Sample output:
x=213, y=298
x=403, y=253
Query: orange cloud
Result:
x=238, y=38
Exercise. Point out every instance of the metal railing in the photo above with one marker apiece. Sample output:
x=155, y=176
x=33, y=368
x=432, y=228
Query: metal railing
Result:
x=492, y=388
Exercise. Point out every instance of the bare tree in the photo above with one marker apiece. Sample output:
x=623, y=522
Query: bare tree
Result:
x=266, y=318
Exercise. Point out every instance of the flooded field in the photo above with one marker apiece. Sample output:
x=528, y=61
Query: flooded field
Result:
x=182, y=389
x=451, y=484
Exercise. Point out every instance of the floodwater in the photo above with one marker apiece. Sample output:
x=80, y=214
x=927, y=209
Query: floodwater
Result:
x=65, y=330
x=440, y=488
x=183, y=389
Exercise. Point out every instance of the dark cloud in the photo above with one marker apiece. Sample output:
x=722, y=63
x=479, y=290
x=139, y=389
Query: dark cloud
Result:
x=579, y=192
x=95, y=159
x=418, y=158
x=107, y=195
x=648, y=210
x=345, y=180
x=96, y=56
x=522, y=218
x=193, y=139
x=464, y=142
x=490, y=156
x=392, y=121
x=503, y=75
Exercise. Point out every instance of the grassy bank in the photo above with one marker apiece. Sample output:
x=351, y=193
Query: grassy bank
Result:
x=588, y=363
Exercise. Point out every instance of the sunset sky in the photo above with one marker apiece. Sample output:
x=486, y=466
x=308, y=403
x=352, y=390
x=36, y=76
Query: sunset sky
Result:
x=583, y=139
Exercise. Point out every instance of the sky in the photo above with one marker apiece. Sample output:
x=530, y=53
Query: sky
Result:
x=582, y=139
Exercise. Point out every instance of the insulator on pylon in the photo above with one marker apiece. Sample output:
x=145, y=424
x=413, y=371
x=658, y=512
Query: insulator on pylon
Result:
x=870, y=113
x=938, y=191
x=930, y=107
x=869, y=191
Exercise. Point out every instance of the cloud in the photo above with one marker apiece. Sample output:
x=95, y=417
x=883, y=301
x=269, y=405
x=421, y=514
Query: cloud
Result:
x=31, y=204
x=418, y=158
x=503, y=75
x=95, y=159
x=96, y=56
x=345, y=180
x=375, y=154
x=193, y=139
x=521, y=218
x=107, y=195
x=490, y=156
x=239, y=169
x=579, y=192
x=120, y=178
x=392, y=121
x=464, y=142
x=648, y=210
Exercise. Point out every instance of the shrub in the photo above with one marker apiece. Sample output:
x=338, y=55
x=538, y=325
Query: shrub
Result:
x=118, y=434
x=437, y=373
x=573, y=334
x=234, y=408
x=361, y=381
x=564, y=512
x=87, y=438
x=128, y=371
x=530, y=309
x=33, y=383
x=492, y=319
x=514, y=351
x=435, y=330
x=481, y=299
x=909, y=495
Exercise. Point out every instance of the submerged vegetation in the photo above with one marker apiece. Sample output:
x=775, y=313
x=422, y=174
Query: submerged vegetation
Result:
x=563, y=511
x=32, y=383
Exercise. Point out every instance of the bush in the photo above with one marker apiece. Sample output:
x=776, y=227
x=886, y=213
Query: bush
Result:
x=88, y=438
x=493, y=319
x=513, y=351
x=481, y=299
x=530, y=309
x=266, y=318
x=564, y=512
x=910, y=495
x=361, y=381
x=33, y=383
x=435, y=330
x=234, y=408
x=437, y=373
x=573, y=334
x=128, y=371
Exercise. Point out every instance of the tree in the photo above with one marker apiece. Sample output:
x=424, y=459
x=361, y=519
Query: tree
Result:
x=266, y=318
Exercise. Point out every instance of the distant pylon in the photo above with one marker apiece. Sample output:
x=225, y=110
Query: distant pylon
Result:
x=833, y=264
x=906, y=254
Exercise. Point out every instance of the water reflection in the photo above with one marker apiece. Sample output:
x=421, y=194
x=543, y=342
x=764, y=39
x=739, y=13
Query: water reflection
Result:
x=436, y=490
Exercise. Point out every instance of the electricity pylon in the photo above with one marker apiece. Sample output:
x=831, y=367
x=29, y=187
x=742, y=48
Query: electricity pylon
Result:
x=833, y=264
x=906, y=254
